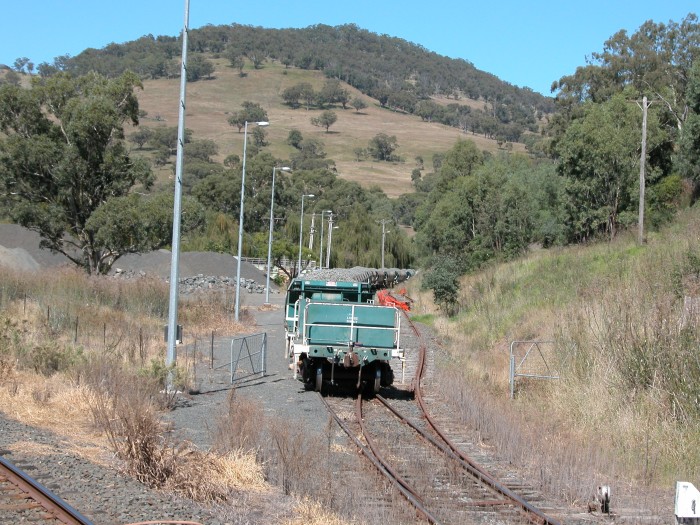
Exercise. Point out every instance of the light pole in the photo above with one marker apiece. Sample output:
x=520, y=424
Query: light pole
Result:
x=269, y=240
x=384, y=232
x=171, y=350
x=240, y=221
x=301, y=228
x=330, y=239
x=320, y=253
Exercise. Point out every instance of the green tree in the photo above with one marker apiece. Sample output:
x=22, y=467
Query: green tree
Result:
x=358, y=104
x=199, y=67
x=203, y=150
x=136, y=224
x=688, y=159
x=251, y=112
x=599, y=157
x=443, y=279
x=325, y=119
x=294, y=138
x=292, y=95
x=63, y=157
x=382, y=146
x=141, y=136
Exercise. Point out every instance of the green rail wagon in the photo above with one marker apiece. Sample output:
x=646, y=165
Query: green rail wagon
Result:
x=336, y=334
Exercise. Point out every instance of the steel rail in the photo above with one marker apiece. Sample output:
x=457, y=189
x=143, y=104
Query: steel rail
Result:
x=533, y=514
x=54, y=505
x=409, y=494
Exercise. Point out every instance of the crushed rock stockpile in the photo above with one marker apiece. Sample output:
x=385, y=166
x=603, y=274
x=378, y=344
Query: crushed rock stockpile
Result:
x=199, y=271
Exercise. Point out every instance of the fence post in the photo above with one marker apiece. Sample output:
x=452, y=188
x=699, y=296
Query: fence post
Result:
x=75, y=339
x=512, y=372
x=264, y=361
x=212, y=350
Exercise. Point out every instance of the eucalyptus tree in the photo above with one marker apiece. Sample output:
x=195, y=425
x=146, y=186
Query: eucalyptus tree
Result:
x=64, y=161
x=325, y=119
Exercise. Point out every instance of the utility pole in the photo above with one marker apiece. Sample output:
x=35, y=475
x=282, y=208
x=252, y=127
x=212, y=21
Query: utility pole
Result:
x=642, y=166
x=384, y=232
x=312, y=230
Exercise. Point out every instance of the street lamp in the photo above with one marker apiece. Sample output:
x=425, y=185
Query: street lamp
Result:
x=301, y=228
x=320, y=253
x=330, y=239
x=269, y=240
x=384, y=232
x=240, y=221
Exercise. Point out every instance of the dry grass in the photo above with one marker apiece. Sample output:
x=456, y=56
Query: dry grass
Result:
x=93, y=372
x=210, y=102
x=621, y=414
x=310, y=512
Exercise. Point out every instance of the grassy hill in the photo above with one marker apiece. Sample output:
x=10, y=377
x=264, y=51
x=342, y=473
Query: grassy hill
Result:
x=619, y=326
x=209, y=103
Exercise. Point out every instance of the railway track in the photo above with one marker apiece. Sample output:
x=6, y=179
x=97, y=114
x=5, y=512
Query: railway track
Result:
x=408, y=447
x=22, y=498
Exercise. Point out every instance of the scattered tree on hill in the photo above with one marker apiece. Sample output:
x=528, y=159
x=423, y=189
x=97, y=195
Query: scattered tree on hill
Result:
x=203, y=149
x=23, y=64
x=141, y=136
x=294, y=138
x=251, y=112
x=292, y=95
x=333, y=92
x=63, y=162
x=198, y=67
x=358, y=104
x=382, y=146
x=325, y=119
x=259, y=137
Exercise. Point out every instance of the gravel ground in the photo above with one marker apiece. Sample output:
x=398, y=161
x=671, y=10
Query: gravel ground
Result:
x=99, y=491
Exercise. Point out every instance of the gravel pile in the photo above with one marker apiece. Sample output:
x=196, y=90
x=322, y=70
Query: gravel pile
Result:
x=200, y=283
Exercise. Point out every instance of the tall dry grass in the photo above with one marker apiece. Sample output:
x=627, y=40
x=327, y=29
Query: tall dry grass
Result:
x=91, y=349
x=627, y=407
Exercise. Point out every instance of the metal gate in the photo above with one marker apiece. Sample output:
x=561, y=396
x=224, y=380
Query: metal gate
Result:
x=248, y=356
x=534, y=360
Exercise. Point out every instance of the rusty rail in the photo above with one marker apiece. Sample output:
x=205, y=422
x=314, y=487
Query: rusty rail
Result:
x=533, y=514
x=55, y=507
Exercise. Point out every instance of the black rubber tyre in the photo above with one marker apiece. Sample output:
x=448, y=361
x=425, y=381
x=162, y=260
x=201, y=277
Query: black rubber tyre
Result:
x=319, y=378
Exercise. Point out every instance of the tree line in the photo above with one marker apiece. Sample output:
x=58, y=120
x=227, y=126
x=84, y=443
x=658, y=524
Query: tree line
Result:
x=580, y=182
x=66, y=172
x=401, y=75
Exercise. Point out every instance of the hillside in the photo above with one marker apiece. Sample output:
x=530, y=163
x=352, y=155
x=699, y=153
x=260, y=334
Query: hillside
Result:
x=209, y=103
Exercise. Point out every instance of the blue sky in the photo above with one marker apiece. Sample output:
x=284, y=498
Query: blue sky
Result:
x=525, y=43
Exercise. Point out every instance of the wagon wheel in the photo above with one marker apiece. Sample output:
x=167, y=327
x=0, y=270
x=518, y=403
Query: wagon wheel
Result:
x=319, y=378
x=377, y=380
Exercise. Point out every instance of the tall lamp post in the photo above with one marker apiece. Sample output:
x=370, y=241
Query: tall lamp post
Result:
x=301, y=228
x=330, y=239
x=320, y=253
x=269, y=240
x=240, y=221
x=171, y=351
x=384, y=232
